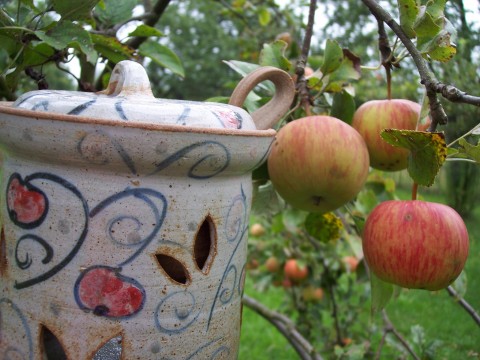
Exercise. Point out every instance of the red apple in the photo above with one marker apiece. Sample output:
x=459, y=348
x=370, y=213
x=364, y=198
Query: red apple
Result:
x=318, y=163
x=374, y=116
x=351, y=262
x=272, y=264
x=313, y=294
x=257, y=230
x=415, y=244
x=294, y=271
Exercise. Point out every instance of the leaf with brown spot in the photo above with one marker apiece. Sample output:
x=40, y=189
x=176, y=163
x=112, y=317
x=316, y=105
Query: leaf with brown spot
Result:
x=428, y=152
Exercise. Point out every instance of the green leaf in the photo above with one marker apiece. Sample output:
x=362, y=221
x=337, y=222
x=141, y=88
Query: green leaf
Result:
x=66, y=34
x=436, y=8
x=293, y=219
x=470, y=151
x=460, y=285
x=112, y=49
x=266, y=200
x=74, y=9
x=273, y=54
x=348, y=70
x=333, y=57
x=343, y=106
x=381, y=293
x=323, y=227
x=37, y=55
x=426, y=26
x=244, y=68
x=146, y=31
x=366, y=201
x=114, y=12
x=163, y=56
x=428, y=152
x=264, y=16
x=409, y=10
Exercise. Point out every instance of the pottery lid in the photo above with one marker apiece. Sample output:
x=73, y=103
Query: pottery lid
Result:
x=129, y=98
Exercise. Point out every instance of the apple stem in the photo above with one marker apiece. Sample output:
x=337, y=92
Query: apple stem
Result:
x=414, y=191
x=389, y=82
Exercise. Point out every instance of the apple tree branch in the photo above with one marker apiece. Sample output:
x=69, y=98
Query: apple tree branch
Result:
x=432, y=86
x=302, y=87
x=286, y=327
x=463, y=303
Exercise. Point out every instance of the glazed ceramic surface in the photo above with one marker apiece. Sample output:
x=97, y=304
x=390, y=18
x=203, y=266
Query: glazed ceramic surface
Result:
x=125, y=225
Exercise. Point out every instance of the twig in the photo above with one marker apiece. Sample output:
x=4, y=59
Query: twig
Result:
x=438, y=115
x=389, y=328
x=155, y=15
x=463, y=303
x=302, y=87
x=286, y=327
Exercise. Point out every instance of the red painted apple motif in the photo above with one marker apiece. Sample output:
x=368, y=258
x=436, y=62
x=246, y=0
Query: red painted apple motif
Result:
x=27, y=205
x=104, y=291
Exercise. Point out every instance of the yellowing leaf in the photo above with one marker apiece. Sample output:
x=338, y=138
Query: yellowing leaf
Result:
x=408, y=13
x=428, y=152
x=324, y=227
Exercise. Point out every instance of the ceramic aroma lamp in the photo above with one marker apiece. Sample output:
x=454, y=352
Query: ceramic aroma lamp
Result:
x=123, y=219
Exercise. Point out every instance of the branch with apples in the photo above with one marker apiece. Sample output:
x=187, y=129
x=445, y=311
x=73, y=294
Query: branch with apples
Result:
x=406, y=243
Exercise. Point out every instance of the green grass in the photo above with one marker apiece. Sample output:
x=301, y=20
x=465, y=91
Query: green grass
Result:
x=259, y=339
x=438, y=313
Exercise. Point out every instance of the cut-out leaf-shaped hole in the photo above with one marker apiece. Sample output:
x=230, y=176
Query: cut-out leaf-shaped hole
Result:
x=205, y=244
x=173, y=268
x=52, y=348
x=3, y=253
x=111, y=350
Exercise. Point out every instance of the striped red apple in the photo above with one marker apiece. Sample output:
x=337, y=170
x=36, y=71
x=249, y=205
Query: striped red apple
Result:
x=415, y=244
x=318, y=163
x=374, y=116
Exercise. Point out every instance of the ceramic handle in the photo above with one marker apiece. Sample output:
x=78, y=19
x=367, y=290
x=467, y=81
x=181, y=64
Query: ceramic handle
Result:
x=128, y=78
x=269, y=114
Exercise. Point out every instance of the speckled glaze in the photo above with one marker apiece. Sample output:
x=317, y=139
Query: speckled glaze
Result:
x=124, y=231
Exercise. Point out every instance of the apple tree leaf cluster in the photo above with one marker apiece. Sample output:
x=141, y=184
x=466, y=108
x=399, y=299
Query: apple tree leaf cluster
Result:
x=428, y=152
x=37, y=33
x=434, y=33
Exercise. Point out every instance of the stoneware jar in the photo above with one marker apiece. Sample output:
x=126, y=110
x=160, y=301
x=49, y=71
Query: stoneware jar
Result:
x=123, y=219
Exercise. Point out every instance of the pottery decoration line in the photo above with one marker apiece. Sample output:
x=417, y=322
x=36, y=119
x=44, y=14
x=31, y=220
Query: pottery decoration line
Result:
x=87, y=148
x=38, y=100
x=240, y=227
x=22, y=198
x=21, y=350
x=195, y=170
x=146, y=197
x=181, y=306
x=201, y=351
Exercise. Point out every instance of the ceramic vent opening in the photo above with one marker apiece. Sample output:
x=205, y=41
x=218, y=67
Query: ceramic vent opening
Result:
x=173, y=268
x=3, y=253
x=52, y=349
x=205, y=244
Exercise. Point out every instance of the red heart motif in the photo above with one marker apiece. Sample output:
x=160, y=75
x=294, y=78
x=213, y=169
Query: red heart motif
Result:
x=26, y=204
x=106, y=292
